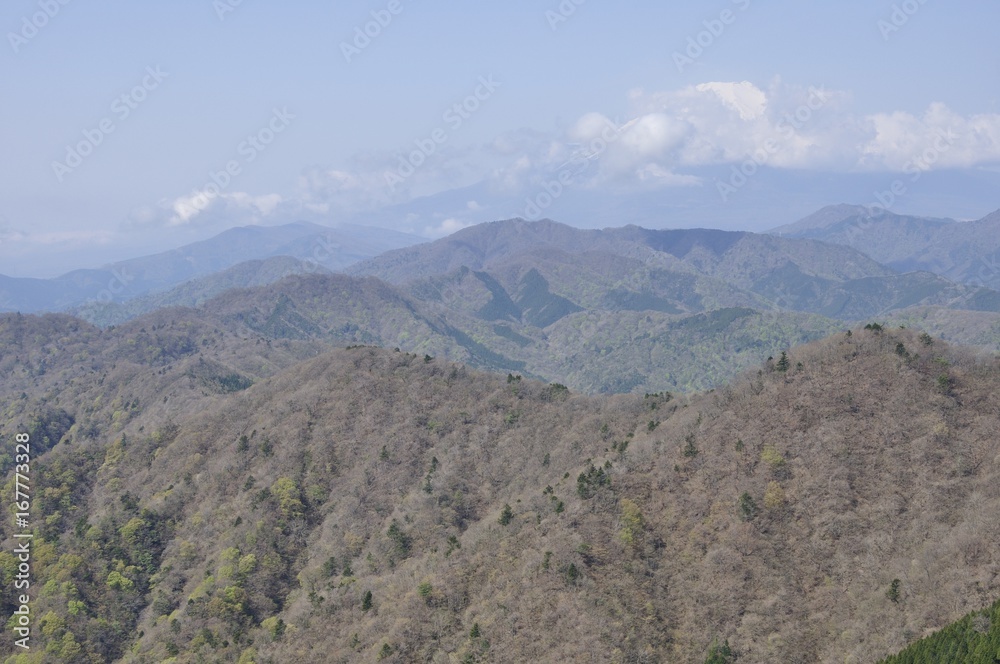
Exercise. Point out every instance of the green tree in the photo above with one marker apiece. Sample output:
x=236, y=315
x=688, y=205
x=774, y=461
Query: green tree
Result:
x=774, y=496
x=893, y=592
x=287, y=493
x=690, y=449
x=720, y=654
x=746, y=506
x=631, y=522
x=506, y=515
x=589, y=481
x=402, y=543
x=974, y=639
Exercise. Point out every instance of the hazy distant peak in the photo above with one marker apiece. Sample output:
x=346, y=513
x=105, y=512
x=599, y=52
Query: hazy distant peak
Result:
x=520, y=222
x=991, y=218
x=827, y=217
x=830, y=217
x=542, y=230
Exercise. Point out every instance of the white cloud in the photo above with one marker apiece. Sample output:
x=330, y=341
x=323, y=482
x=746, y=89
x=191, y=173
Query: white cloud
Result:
x=360, y=187
x=665, y=135
x=730, y=122
x=744, y=97
x=446, y=227
x=939, y=139
x=814, y=128
x=513, y=177
x=206, y=208
x=660, y=176
x=10, y=236
x=646, y=151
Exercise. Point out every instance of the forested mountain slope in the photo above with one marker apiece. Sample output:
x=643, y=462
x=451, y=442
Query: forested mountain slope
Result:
x=965, y=252
x=975, y=639
x=372, y=505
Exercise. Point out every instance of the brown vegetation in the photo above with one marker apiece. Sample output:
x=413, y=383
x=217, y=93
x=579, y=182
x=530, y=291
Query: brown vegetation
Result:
x=354, y=507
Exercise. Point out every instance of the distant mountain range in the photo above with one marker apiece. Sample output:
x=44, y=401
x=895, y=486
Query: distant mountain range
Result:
x=248, y=274
x=965, y=252
x=672, y=271
x=613, y=310
x=321, y=246
x=771, y=197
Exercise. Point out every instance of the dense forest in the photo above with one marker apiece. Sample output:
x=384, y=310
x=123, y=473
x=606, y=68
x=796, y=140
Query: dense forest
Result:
x=201, y=496
x=975, y=639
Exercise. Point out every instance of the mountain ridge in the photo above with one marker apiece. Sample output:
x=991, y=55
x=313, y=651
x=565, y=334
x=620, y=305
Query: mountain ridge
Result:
x=962, y=251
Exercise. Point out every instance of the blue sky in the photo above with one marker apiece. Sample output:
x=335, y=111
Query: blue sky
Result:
x=882, y=89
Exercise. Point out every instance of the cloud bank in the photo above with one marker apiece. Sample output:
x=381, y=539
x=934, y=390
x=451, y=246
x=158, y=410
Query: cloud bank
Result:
x=661, y=142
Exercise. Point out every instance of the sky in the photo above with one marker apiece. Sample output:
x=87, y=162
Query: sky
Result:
x=127, y=127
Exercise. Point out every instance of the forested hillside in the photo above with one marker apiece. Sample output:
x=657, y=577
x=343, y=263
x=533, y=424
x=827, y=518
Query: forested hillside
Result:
x=593, y=351
x=689, y=269
x=834, y=504
x=975, y=639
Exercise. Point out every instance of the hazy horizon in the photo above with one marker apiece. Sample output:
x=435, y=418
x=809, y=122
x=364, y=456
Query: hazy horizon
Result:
x=136, y=129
